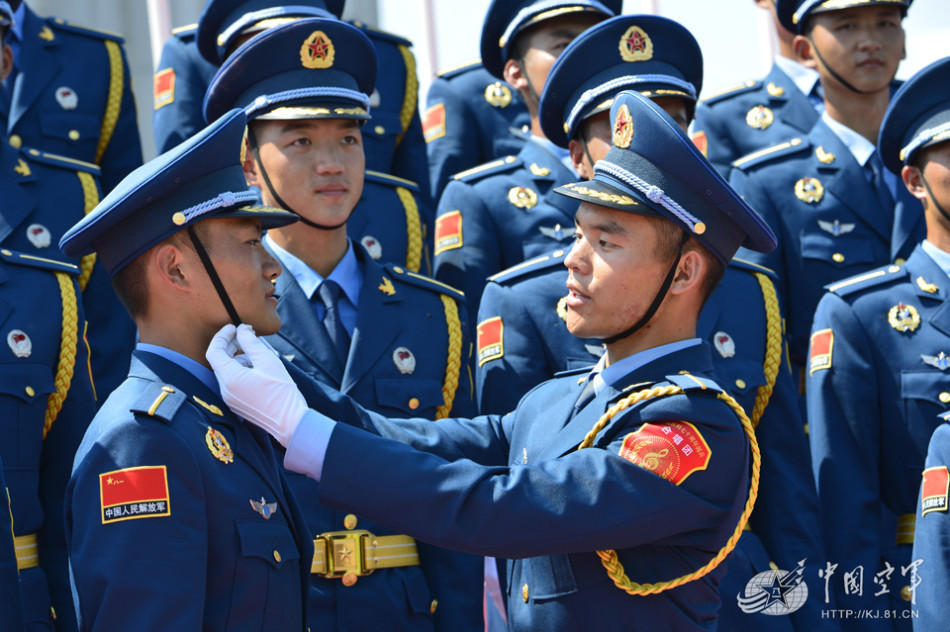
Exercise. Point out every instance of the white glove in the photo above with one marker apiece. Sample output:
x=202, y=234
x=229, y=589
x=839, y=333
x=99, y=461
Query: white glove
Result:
x=255, y=384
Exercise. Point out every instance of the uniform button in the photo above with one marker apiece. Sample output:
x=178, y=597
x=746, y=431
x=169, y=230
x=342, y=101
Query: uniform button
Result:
x=740, y=383
x=16, y=141
x=524, y=593
x=73, y=134
x=349, y=521
x=905, y=593
x=837, y=257
x=900, y=261
x=944, y=397
x=379, y=129
x=557, y=253
x=29, y=391
x=349, y=579
x=414, y=403
x=277, y=556
x=433, y=606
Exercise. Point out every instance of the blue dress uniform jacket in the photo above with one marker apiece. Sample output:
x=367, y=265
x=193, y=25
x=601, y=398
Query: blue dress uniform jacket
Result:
x=72, y=96
x=397, y=314
x=817, y=199
x=931, y=533
x=43, y=196
x=468, y=121
x=876, y=383
x=46, y=402
x=736, y=321
x=752, y=116
x=500, y=214
x=530, y=495
x=11, y=608
x=200, y=555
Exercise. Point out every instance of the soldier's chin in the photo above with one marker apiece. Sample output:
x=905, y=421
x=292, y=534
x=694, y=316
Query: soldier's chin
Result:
x=267, y=324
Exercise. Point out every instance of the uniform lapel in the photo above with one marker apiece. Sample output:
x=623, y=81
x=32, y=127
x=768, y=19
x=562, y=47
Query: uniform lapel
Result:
x=797, y=110
x=16, y=200
x=923, y=272
x=908, y=222
x=36, y=69
x=302, y=329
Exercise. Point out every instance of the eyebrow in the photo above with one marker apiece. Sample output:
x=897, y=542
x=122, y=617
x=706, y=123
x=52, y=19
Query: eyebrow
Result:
x=610, y=227
x=292, y=125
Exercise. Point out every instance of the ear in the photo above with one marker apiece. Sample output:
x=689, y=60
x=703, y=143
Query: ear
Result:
x=514, y=75
x=169, y=267
x=690, y=273
x=914, y=181
x=6, y=62
x=802, y=48
x=578, y=158
x=250, y=166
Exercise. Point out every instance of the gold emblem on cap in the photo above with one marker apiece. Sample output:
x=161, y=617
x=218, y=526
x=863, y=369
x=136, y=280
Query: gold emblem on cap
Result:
x=809, y=190
x=522, y=197
x=903, y=318
x=636, y=45
x=623, y=127
x=774, y=90
x=179, y=218
x=824, y=156
x=759, y=117
x=218, y=445
x=317, y=51
x=498, y=94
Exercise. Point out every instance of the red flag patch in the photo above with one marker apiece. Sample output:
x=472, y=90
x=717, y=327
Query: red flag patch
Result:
x=822, y=344
x=164, y=87
x=448, y=231
x=933, y=490
x=699, y=139
x=670, y=449
x=491, y=343
x=433, y=122
x=135, y=492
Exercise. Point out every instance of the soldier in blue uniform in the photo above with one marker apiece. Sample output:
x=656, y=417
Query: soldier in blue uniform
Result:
x=177, y=512
x=836, y=210
x=877, y=368
x=395, y=341
x=930, y=533
x=69, y=94
x=523, y=335
x=584, y=463
x=757, y=114
x=492, y=216
x=468, y=120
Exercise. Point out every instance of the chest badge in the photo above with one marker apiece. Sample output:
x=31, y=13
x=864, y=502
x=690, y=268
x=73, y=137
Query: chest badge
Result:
x=372, y=245
x=835, y=228
x=20, y=343
x=724, y=344
x=522, y=197
x=759, y=117
x=218, y=445
x=67, y=98
x=940, y=361
x=38, y=235
x=903, y=318
x=404, y=360
x=498, y=95
x=264, y=508
x=561, y=308
x=809, y=190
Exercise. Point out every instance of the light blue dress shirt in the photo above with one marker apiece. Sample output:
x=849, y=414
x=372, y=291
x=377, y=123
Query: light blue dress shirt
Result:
x=940, y=257
x=197, y=369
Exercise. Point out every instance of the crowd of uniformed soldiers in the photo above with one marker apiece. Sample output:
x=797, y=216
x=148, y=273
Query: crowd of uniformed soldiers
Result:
x=422, y=262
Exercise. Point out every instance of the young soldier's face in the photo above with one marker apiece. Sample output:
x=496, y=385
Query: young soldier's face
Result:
x=864, y=45
x=545, y=42
x=315, y=165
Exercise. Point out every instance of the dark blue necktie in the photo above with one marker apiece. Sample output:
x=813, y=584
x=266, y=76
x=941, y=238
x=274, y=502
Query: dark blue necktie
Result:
x=329, y=293
x=876, y=169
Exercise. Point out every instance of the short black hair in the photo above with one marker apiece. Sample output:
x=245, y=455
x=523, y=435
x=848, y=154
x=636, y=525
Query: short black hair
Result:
x=131, y=287
x=669, y=236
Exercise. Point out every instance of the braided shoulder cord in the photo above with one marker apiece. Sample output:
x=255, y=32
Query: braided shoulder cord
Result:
x=114, y=101
x=67, y=351
x=413, y=229
x=411, y=94
x=90, y=196
x=454, y=362
x=773, y=347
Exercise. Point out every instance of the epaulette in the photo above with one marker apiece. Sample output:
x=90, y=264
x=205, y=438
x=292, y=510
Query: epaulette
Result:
x=393, y=181
x=384, y=35
x=159, y=401
x=742, y=264
x=63, y=162
x=185, y=33
x=742, y=88
x=763, y=156
x=689, y=382
x=488, y=169
x=62, y=24
x=32, y=261
x=424, y=282
x=945, y=416
x=874, y=278
x=525, y=268
x=458, y=70
x=583, y=370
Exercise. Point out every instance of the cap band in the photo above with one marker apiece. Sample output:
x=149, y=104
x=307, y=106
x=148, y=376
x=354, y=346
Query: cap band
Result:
x=301, y=10
x=833, y=5
x=269, y=101
x=535, y=13
x=653, y=193
x=925, y=137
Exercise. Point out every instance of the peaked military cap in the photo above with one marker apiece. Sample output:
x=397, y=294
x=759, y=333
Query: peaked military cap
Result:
x=222, y=21
x=201, y=178
x=6, y=14
x=918, y=116
x=793, y=14
x=652, y=55
x=654, y=169
x=506, y=18
x=311, y=68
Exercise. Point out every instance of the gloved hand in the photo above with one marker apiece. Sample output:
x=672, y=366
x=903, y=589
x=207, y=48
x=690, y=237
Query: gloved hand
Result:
x=255, y=384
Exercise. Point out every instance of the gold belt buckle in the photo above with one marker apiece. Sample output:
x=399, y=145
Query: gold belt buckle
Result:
x=345, y=555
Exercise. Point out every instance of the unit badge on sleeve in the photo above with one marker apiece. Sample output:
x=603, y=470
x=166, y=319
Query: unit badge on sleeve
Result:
x=135, y=492
x=672, y=449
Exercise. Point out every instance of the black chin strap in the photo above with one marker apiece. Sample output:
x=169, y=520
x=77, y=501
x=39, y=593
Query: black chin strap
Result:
x=660, y=295
x=252, y=139
x=215, y=279
x=933, y=198
x=587, y=151
x=833, y=73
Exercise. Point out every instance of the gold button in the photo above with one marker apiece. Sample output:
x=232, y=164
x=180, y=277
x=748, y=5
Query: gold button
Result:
x=29, y=391
x=740, y=383
x=73, y=134
x=944, y=397
x=837, y=257
x=524, y=593
x=349, y=579
x=16, y=141
x=558, y=253
x=276, y=556
x=349, y=521
x=379, y=129
x=900, y=261
x=397, y=269
x=905, y=593
x=6, y=253
x=434, y=606
x=414, y=403
x=178, y=218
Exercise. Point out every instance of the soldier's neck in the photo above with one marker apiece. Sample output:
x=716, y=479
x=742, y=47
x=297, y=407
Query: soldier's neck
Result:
x=191, y=342
x=654, y=334
x=861, y=112
x=320, y=249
